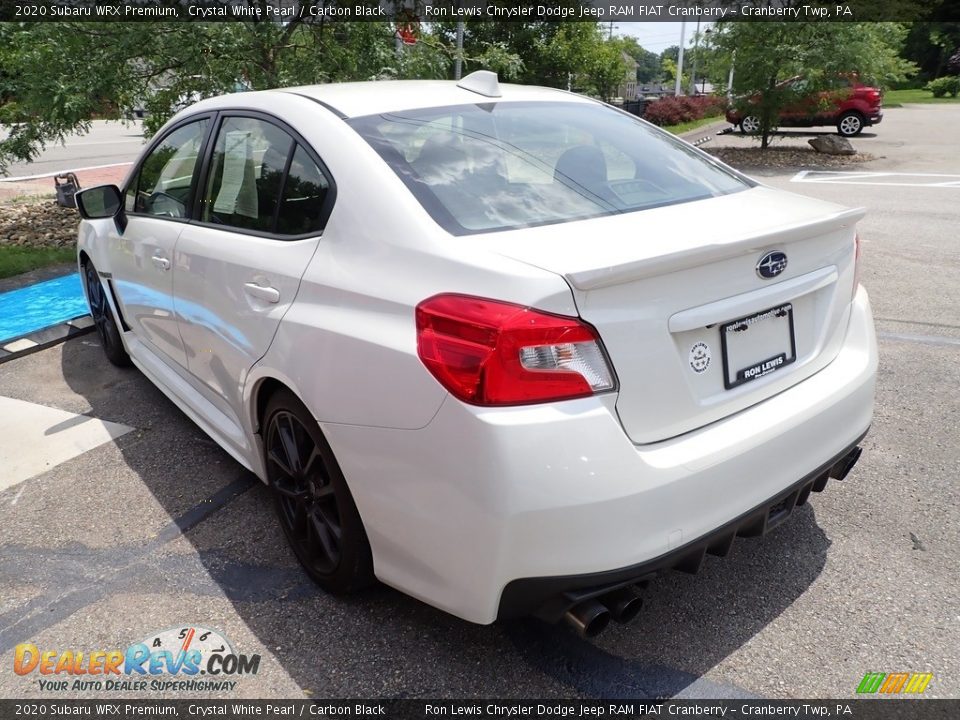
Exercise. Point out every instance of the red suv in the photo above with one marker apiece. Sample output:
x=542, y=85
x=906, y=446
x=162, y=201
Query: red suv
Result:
x=849, y=105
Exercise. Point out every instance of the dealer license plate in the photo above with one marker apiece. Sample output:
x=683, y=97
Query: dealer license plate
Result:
x=757, y=345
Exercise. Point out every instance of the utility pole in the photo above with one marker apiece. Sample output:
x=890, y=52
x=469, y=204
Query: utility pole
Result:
x=458, y=63
x=733, y=60
x=696, y=56
x=683, y=39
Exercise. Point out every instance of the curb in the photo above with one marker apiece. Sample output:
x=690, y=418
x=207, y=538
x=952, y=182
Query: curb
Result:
x=711, y=129
x=44, y=338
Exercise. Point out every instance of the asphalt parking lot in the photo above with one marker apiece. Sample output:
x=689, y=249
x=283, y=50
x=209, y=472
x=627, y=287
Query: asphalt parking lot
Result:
x=155, y=527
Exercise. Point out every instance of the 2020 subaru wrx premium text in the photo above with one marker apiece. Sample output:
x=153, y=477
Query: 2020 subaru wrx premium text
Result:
x=507, y=349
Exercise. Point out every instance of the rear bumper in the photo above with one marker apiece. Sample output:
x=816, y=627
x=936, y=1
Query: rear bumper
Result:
x=490, y=512
x=550, y=597
x=875, y=118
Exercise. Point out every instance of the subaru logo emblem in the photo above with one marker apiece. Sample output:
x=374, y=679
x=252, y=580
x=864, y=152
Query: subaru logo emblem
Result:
x=772, y=264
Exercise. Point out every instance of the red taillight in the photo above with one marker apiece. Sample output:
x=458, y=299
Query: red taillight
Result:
x=856, y=263
x=487, y=352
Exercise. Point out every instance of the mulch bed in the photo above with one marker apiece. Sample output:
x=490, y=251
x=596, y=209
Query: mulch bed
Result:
x=799, y=158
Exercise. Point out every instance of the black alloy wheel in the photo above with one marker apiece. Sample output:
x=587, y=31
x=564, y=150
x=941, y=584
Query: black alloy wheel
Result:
x=103, y=318
x=313, y=503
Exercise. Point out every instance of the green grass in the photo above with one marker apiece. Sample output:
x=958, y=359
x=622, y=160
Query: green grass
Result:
x=692, y=125
x=15, y=259
x=896, y=98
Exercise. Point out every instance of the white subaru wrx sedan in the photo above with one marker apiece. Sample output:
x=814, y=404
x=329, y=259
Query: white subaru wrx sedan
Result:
x=507, y=349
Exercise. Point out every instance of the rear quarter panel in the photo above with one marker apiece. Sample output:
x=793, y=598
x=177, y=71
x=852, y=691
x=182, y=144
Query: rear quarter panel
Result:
x=348, y=345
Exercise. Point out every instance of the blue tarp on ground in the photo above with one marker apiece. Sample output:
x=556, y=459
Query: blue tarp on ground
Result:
x=41, y=305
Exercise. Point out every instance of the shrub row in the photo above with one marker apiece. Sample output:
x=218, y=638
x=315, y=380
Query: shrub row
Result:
x=676, y=110
x=941, y=87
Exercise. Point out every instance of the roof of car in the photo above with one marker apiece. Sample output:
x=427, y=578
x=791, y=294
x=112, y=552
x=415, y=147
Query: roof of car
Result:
x=356, y=99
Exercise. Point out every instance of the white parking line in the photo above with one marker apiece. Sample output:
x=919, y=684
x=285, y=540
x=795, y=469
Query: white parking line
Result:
x=35, y=438
x=889, y=179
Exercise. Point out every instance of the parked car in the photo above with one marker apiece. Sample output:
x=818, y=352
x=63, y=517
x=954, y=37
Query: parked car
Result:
x=848, y=104
x=507, y=349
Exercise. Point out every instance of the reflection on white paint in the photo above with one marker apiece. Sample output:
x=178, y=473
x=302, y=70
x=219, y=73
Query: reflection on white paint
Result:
x=891, y=179
x=35, y=438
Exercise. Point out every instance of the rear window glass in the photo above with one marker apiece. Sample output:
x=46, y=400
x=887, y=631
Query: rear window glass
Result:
x=498, y=166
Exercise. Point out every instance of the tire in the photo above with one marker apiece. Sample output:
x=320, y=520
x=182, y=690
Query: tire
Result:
x=850, y=124
x=312, y=500
x=103, y=318
x=750, y=125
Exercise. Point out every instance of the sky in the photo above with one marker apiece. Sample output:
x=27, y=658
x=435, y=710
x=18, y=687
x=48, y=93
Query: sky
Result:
x=657, y=36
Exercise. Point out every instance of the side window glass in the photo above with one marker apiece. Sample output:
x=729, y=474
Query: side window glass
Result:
x=246, y=173
x=303, y=196
x=166, y=174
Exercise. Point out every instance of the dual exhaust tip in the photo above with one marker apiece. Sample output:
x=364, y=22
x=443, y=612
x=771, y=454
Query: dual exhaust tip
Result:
x=591, y=617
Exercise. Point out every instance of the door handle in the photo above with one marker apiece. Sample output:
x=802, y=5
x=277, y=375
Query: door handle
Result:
x=267, y=294
x=160, y=262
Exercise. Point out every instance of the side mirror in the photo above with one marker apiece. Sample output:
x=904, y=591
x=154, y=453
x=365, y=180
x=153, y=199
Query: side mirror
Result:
x=103, y=201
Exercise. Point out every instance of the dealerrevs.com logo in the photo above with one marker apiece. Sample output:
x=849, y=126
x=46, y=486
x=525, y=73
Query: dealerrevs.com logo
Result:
x=189, y=658
x=894, y=683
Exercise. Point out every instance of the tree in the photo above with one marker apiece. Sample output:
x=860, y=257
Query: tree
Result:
x=56, y=76
x=648, y=63
x=538, y=53
x=554, y=54
x=930, y=44
x=953, y=64
x=767, y=53
x=671, y=53
x=606, y=69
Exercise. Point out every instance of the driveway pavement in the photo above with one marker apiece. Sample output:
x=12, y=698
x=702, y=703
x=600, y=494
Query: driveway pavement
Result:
x=155, y=527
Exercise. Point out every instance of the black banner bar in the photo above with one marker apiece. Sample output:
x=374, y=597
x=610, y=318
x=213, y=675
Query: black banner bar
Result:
x=858, y=709
x=314, y=11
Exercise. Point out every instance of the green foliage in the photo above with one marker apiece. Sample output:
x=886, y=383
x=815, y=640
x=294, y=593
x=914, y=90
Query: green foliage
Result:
x=56, y=76
x=930, y=44
x=941, y=87
x=648, y=63
x=764, y=54
x=668, y=72
x=15, y=259
x=553, y=54
x=671, y=53
x=606, y=69
x=537, y=53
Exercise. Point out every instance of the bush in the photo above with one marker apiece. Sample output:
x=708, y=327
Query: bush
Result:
x=675, y=110
x=941, y=87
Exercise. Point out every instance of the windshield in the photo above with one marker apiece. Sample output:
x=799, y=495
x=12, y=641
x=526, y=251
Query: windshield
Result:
x=498, y=166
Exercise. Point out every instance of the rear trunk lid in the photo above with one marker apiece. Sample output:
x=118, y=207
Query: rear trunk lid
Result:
x=693, y=327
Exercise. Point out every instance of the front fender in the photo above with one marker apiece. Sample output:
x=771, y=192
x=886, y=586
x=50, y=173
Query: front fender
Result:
x=93, y=238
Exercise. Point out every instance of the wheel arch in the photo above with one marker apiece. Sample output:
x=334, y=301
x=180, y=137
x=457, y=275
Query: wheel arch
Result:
x=265, y=388
x=258, y=389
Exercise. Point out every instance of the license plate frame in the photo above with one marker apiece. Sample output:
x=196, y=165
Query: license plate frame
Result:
x=768, y=364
